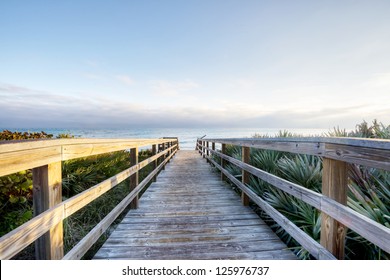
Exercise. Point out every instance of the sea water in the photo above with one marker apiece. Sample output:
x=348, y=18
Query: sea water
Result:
x=187, y=136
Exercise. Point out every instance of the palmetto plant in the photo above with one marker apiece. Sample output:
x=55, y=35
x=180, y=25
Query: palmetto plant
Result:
x=369, y=192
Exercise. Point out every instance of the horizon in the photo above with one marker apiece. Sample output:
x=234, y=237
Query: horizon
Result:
x=194, y=64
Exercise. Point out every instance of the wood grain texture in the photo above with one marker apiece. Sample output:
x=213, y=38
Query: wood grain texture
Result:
x=334, y=186
x=134, y=179
x=25, y=154
x=190, y=214
x=47, y=193
x=367, y=152
x=369, y=229
x=246, y=155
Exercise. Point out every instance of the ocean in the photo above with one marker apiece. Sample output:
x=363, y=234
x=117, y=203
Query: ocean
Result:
x=187, y=136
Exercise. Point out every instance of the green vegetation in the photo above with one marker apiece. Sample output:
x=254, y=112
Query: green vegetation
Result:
x=369, y=190
x=78, y=175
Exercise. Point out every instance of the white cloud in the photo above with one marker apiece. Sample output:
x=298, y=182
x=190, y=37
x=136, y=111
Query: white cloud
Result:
x=125, y=79
x=171, y=88
x=25, y=107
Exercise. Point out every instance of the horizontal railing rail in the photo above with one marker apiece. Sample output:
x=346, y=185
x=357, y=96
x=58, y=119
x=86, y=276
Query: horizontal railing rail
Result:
x=336, y=216
x=44, y=158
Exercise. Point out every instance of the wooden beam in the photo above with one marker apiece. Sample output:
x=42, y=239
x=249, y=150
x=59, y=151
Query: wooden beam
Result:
x=154, y=164
x=246, y=154
x=207, y=151
x=47, y=193
x=223, y=161
x=134, y=179
x=334, y=185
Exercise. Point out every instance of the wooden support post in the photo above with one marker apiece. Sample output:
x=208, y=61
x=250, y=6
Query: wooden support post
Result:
x=134, y=179
x=203, y=149
x=207, y=151
x=245, y=157
x=154, y=163
x=213, y=146
x=47, y=193
x=334, y=185
x=223, y=161
x=165, y=156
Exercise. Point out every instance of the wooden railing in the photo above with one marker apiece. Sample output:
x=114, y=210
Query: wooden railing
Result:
x=337, y=153
x=45, y=157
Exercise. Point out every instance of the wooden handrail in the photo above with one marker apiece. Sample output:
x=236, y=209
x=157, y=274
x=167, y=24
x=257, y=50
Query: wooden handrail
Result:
x=47, y=225
x=336, y=215
x=367, y=152
x=22, y=155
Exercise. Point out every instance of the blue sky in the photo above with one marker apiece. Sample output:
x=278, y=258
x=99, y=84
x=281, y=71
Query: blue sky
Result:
x=275, y=64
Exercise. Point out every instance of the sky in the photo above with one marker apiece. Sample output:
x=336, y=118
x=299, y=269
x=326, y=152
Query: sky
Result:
x=205, y=63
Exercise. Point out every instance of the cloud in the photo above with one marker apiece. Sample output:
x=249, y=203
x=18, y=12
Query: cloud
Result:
x=171, y=88
x=125, y=79
x=32, y=108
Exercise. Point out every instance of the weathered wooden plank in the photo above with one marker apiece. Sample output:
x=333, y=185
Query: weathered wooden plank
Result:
x=246, y=155
x=367, y=152
x=18, y=239
x=191, y=238
x=47, y=193
x=132, y=219
x=134, y=179
x=220, y=251
x=19, y=160
x=334, y=186
x=183, y=210
x=377, y=158
x=21, y=155
x=193, y=231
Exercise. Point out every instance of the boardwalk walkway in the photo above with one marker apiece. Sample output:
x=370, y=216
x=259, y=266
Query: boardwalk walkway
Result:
x=189, y=213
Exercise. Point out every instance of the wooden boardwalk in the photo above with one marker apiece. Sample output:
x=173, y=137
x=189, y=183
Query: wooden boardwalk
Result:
x=189, y=213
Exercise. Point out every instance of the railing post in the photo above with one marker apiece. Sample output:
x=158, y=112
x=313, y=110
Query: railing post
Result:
x=245, y=157
x=154, y=163
x=223, y=161
x=207, y=151
x=204, y=149
x=134, y=179
x=165, y=156
x=334, y=185
x=47, y=193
